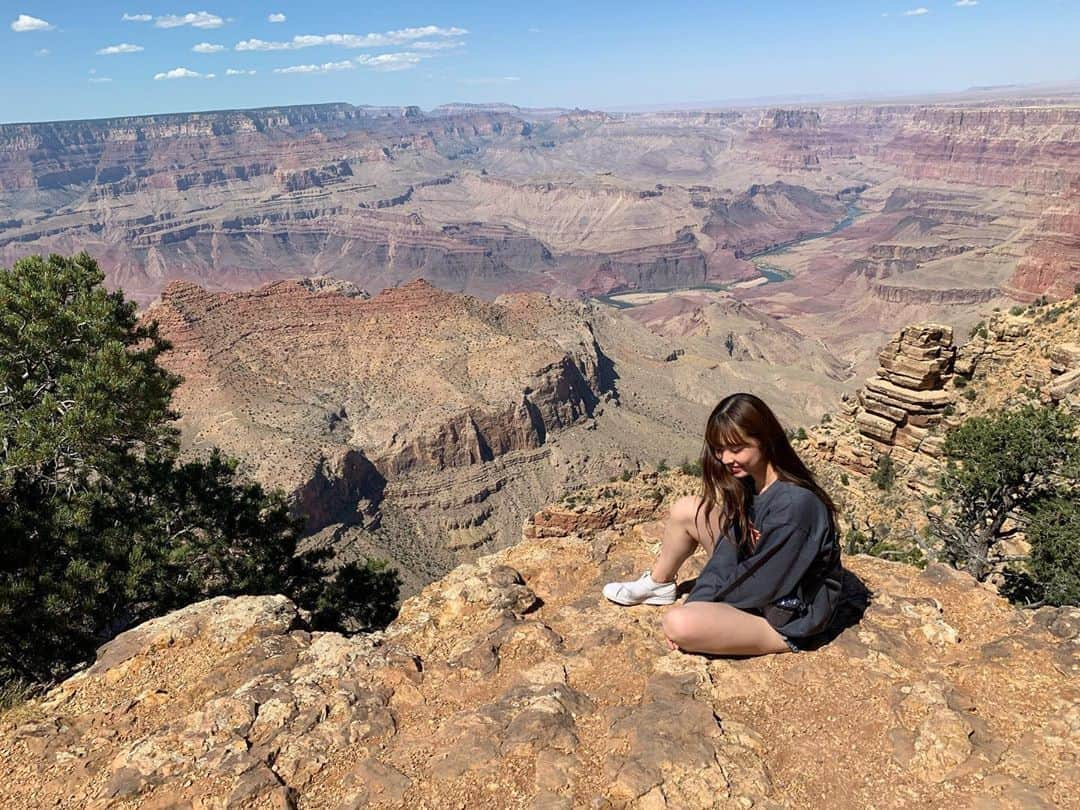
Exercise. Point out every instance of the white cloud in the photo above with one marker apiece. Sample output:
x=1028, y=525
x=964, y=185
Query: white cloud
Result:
x=208, y=47
x=391, y=61
x=196, y=19
x=42, y=52
x=382, y=40
x=916, y=12
x=136, y=17
x=182, y=73
x=276, y=17
x=966, y=3
x=535, y=30
x=24, y=22
x=426, y=45
x=123, y=47
x=327, y=67
x=233, y=72
x=99, y=80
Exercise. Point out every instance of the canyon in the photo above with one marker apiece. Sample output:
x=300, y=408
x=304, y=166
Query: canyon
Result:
x=423, y=325
x=418, y=425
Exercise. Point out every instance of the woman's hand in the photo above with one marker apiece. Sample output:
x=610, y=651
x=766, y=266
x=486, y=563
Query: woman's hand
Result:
x=671, y=645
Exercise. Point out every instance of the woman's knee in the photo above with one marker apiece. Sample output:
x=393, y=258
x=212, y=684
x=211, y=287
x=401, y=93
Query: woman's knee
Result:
x=684, y=511
x=679, y=625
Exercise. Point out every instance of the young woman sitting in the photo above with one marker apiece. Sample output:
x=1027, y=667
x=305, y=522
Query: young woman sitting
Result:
x=773, y=576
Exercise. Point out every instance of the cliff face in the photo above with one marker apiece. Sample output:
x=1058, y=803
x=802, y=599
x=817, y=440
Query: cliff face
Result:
x=1032, y=149
x=1051, y=266
x=511, y=683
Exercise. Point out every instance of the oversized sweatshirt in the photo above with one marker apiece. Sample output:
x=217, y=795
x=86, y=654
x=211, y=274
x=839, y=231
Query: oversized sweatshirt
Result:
x=797, y=554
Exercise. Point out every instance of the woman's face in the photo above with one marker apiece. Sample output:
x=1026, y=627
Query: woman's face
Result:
x=742, y=459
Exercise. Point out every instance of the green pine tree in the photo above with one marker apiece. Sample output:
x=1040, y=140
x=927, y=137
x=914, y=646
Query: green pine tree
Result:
x=100, y=524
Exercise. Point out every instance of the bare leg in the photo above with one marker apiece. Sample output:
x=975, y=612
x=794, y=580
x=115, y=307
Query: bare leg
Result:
x=713, y=627
x=684, y=531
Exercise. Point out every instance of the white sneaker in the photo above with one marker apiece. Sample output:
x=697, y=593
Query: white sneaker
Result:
x=641, y=591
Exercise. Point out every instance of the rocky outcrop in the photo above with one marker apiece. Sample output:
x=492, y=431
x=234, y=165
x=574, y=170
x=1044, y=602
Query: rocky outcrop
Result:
x=512, y=683
x=906, y=400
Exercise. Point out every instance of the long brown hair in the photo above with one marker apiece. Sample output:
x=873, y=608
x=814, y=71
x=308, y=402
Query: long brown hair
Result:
x=734, y=421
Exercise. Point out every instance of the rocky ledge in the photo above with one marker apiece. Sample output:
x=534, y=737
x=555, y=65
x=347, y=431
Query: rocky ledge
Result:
x=511, y=683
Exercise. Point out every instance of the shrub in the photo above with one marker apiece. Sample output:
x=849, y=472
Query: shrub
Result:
x=1054, y=535
x=969, y=394
x=1017, y=310
x=662, y=466
x=1001, y=464
x=844, y=479
x=826, y=418
x=960, y=382
x=626, y=475
x=102, y=525
x=692, y=468
x=884, y=475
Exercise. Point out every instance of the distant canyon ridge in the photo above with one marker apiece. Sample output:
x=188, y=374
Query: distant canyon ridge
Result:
x=426, y=325
x=954, y=204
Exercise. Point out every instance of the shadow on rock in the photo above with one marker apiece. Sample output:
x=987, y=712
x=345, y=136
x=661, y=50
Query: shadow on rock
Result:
x=854, y=599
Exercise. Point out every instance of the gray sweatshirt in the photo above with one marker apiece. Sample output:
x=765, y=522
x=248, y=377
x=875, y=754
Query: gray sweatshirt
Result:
x=796, y=555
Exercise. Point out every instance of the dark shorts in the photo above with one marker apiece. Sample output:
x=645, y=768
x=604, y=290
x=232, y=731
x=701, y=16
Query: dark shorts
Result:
x=792, y=644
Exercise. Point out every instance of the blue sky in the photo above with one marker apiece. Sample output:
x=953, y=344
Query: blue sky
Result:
x=61, y=60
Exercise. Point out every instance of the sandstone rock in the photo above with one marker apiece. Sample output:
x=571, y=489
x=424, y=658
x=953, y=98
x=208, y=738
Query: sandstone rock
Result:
x=1065, y=385
x=1064, y=357
x=944, y=686
x=875, y=427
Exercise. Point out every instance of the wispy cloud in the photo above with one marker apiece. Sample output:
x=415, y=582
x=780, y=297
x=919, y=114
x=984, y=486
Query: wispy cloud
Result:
x=276, y=17
x=492, y=80
x=326, y=67
x=208, y=47
x=966, y=3
x=42, y=52
x=535, y=30
x=375, y=40
x=430, y=45
x=182, y=73
x=123, y=47
x=234, y=72
x=383, y=62
x=196, y=19
x=99, y=80
x=24, y=22
x=391, y=61
x=916, y=12
x=136, y=17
